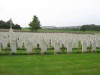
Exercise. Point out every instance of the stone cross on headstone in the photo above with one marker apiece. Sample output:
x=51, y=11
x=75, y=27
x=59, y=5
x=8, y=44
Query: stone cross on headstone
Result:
x=11, y=30
x=10, y=23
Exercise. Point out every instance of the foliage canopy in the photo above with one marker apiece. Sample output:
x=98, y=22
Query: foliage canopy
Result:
x=6, y=25
x=35, y=24
x=91, y=27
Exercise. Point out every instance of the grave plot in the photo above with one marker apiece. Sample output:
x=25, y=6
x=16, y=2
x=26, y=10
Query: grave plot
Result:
x=13, y=46
x=56, y=41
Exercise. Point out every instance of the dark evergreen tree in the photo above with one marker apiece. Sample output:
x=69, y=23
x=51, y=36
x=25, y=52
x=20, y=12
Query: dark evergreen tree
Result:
x=91, y=27
x=35, y=24
x=6, y=25
x=16, y=26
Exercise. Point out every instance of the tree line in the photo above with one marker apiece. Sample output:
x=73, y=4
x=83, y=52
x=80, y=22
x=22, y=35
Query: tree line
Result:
x=6, y=25
x=35, y=25
x=91, y=27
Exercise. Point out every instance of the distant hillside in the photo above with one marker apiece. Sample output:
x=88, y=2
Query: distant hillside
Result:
x=48, y=27
x=53, y=27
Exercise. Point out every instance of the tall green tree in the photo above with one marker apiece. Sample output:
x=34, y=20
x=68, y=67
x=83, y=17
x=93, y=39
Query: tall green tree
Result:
x=35, y=24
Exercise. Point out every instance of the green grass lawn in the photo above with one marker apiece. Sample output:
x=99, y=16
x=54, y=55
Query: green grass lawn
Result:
x=53, y=31
x=50, y=64
x=61, y=31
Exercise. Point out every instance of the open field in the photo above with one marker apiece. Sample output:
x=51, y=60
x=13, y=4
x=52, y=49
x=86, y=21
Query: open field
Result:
x=62, y=31
x=75, y=63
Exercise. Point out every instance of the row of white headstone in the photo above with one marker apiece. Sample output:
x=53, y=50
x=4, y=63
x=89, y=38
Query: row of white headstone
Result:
x=47, y=40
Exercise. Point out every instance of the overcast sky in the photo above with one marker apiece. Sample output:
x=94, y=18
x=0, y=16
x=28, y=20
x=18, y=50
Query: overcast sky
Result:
x=51, y=12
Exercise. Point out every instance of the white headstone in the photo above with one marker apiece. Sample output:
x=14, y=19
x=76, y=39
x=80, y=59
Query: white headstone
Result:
x=69, y=47
x=29, y=47
x=94, y=46
x=4, y=43
x=34, y=43
x=84, y=47
x=56, y=48
x=19, y=44
x=43, y=47
x=13, y=46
